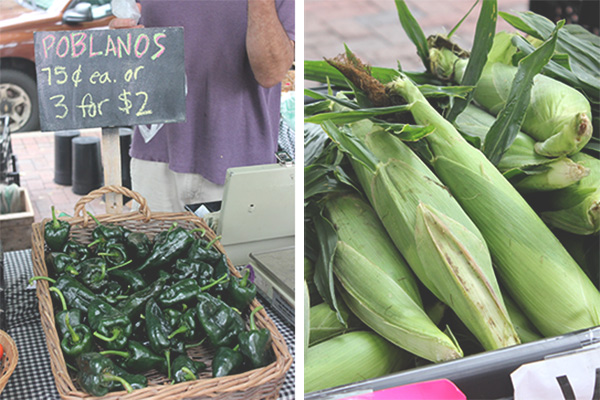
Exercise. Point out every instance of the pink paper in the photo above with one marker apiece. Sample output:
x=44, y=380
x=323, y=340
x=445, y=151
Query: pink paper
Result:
x=441, y=389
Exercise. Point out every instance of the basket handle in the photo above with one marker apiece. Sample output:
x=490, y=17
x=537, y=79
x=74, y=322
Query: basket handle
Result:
x=80, y=205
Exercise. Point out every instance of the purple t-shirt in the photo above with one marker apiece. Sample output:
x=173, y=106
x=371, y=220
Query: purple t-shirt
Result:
x=231, y=120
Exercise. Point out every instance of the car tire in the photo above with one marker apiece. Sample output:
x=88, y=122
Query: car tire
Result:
x=19, y=99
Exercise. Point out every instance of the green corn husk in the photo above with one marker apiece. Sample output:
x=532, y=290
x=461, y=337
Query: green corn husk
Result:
x=527, y=170
x=404, y=191
x=576, y=208
x=349, y=358
x=324, y=323
x=538, y=272
x=307, y=316
x=525, y=329
x=377, y=285
x=558, y=117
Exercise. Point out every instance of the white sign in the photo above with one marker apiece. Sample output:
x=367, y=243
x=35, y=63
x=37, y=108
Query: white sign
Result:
x=574, y=376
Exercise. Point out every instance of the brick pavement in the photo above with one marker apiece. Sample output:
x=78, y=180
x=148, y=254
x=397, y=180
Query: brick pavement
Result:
x=35, y=153
x=372, y=30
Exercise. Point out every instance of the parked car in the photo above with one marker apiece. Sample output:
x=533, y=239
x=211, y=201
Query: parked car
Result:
x=19, y=19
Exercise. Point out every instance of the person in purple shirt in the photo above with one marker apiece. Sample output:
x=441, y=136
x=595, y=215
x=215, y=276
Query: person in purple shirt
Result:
x=237, y=52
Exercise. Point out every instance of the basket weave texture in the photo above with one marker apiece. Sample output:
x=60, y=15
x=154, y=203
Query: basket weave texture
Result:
x=261, y=383
x=9, y=359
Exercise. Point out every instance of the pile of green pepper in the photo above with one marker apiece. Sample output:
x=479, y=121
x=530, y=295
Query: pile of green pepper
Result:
x=128, y=304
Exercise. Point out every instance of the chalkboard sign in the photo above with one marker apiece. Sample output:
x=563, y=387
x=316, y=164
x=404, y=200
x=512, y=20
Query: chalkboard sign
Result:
x=110, y=78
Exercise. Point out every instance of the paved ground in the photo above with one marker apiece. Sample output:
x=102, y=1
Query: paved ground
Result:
x=372, y=30
x=35, y=153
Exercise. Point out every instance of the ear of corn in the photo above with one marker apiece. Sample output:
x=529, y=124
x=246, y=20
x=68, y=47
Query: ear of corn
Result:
x=528, y=257
x=349, y=358
x=525, y=329
x=576, y=208
x=357, y=225
x=533, y=171
x=441, y=240
x=379, y=303
x=558, y=116
x=395, y=189
x=373, y=282
x=324, y=323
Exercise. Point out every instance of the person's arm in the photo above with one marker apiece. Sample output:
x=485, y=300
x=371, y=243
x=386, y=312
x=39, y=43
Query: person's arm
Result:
x=270, y=51
x=124, y=23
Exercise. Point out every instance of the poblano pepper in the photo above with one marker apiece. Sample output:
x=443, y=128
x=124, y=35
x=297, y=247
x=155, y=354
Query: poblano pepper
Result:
x=106, y=233
x=138, y=358
x=134, y=305
x=185, y=369
x=221, y=268
x=77, y=340
x=138, y=246
x=187, y=326
x=76, y=250
x=227, y=361
x=241, y=292
x=94, y=273
x=114, y=254
x=176, y=243
x=198, y=270
x=255, y=344
x=61, y=263
x=76, y=295
x=158, y=330
x=97, y=375
x=111, y=326
x=184, y=291
x=172, y=316
x=201, y=250
x=112, y=293
x=56, y=232
x=132, y=280
x=220, y=322
x=75, y=316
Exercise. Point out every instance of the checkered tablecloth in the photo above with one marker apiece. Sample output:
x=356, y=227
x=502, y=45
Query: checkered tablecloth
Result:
x=32, y=378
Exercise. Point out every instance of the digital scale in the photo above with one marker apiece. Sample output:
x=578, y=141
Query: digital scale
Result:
x=255, y=220
x=274, y=278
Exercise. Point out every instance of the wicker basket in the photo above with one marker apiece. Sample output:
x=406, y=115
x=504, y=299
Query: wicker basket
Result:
x=261, y=383
x=9, y=359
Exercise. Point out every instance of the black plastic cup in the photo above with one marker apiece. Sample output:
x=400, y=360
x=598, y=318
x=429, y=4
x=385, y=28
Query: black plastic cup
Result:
x=63, y=160
x=87, y=165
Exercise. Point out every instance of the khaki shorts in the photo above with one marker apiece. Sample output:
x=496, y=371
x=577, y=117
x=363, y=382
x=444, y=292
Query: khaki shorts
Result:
x=169, y=191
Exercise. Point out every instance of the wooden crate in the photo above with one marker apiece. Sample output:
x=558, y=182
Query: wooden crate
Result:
x=15, y=228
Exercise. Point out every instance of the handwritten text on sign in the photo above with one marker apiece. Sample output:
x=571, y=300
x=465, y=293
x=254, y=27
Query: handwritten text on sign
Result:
x=108, y=78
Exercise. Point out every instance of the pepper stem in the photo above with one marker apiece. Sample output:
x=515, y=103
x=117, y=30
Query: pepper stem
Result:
x=209, y=245
x=244, y=280
x=108, y=254
x=107, y=339
x=94, y=218
x=61, y=297
x=189, y=375
x=44, y=278
x=55, y=223
x=252, y=323
x=181, y=329
x=172, y=227
x=168, y=357
x=71, y=269
x=221, y=279
x=123, y=354
x=199, y=230
x=111, y=377
x=237, y=347
x=72, y=332
x=96, y=242
x=189, y=346
x=120, y=265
